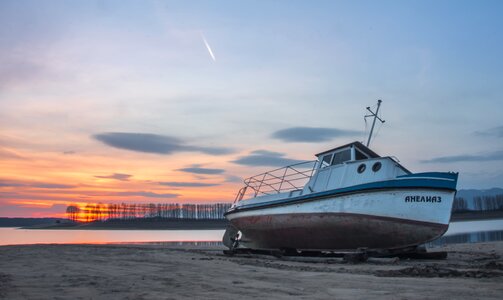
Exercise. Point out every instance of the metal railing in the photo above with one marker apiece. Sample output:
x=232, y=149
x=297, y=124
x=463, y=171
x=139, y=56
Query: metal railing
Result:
x=289, y=178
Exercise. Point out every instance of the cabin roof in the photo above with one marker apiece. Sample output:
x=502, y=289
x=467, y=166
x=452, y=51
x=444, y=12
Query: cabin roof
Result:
x=357, y=145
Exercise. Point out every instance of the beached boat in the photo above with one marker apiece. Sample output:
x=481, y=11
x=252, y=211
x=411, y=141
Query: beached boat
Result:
x=349, y=198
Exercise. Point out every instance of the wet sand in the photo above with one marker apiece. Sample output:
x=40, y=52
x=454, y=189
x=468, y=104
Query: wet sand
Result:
x=471, y=271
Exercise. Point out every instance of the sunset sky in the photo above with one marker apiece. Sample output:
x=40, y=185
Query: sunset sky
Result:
x=177, y=101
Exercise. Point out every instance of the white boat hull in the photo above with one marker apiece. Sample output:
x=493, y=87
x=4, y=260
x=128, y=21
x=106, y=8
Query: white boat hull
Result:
x=389, y=219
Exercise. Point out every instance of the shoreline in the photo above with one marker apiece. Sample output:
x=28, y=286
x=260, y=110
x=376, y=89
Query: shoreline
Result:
x=139, y=225
x=188, y=224
x=209, y=224
x=474, y=216
x=178, y=272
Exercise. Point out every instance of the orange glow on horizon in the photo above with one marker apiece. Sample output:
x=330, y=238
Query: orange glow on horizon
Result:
x=42, y=184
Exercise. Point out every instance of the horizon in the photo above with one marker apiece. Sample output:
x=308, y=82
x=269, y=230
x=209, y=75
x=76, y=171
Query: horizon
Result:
x=165, y=102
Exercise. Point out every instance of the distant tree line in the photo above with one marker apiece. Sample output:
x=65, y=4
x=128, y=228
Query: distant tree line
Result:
x=486, y=203
x=130, y=211
x=459, y=205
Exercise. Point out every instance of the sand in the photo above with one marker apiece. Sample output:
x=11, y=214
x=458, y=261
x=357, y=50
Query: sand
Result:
x=471, y=271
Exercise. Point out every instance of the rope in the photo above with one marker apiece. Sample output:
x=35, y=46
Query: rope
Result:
x=365, y=132
x=379, y=127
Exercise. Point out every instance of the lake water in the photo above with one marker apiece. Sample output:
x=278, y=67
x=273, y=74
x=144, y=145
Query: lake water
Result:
x=471, y=232
x=459, y=232
x=15, y=236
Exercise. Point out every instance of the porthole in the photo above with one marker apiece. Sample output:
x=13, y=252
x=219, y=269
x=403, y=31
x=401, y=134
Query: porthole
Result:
x=361, y=168
x=377, y=166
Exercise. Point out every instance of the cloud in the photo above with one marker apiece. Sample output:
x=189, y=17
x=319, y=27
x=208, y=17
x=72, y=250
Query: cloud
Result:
x=41, y=185
x=116, y=176
x=265, y=158
x=23, y=210
x=153, y=143
x=492, y=156
x=5, y=153
x=311, y=134
x=267, y=153
x=69, y=152
x=146, y=194
x=52, y=186
x=30, y=195
x=496, y=131
x=210, y=150
x=11, y=184
x=199, y=170
x=233, y=178
x=87, y=195
x=187, y=184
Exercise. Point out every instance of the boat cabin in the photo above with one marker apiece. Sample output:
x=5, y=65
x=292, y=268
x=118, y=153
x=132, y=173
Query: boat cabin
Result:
x=342, y=154
x=349, y=165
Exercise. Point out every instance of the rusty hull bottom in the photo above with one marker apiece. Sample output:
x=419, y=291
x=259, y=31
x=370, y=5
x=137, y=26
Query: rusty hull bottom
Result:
x=334, y=231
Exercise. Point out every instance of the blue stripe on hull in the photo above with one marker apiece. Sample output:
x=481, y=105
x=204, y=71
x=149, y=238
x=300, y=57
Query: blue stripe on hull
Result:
x=439, y=175
x=430, y=180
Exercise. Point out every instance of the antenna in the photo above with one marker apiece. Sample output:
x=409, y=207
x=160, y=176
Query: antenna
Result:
x=375, y=118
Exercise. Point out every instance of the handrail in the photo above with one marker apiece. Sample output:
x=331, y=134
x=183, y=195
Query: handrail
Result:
x=292, y=177
x=240, y=194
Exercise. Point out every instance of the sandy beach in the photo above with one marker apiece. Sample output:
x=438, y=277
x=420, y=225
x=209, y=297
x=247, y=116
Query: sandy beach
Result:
x=471, y=271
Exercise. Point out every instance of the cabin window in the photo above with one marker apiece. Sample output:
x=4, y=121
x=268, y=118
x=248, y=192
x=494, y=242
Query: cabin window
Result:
x=341, y=157
x=377, y=166
x=359, y=155
x=325, y=162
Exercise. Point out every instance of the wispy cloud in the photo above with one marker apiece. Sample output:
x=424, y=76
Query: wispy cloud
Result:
x=40, y=185
x=265, y=158
x=23, y=210
x=496, y=131
x=154, y=143
x=30, y=195
x=146, y=194
x=116, y=176
x=6, y=153
x=187, y=184
x=53, y=186
x=233, y=178
x=311, y=134
x=491, y=156
x=56, y=195
x=200, y=170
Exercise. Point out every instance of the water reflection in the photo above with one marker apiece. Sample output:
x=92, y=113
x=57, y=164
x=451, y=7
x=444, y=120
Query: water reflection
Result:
x=472, y=237
x=171, y=244
x=15, y=236
x=474, y=226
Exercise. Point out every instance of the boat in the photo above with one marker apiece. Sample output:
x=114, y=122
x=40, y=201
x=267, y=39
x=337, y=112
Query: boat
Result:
x=348, y=198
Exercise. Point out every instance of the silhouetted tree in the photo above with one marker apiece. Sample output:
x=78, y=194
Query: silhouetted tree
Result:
x=72, y=212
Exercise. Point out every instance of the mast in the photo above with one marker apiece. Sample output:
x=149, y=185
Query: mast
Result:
x=375, y=118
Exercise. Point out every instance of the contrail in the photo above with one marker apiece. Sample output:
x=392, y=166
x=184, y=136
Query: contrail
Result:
x=208, y=47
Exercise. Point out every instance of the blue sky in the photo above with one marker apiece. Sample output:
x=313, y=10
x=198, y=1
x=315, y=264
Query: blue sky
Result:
x=92, y=89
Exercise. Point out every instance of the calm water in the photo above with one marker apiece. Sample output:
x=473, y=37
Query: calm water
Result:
x=459, y=232
x=474, y=226
x=14, y=236
x=471, y=232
